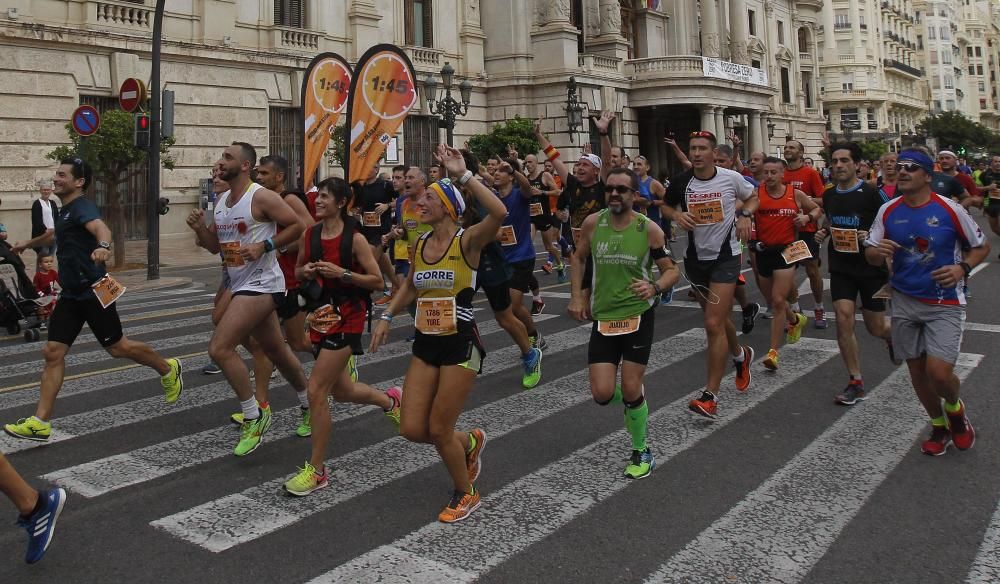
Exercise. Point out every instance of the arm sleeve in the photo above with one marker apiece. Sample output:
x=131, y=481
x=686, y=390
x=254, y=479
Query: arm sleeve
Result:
x=86, y=213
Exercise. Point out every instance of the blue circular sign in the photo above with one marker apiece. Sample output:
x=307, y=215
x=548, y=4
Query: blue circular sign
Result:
x=86, y=120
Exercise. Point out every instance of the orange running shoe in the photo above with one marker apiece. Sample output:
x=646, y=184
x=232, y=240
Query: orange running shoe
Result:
x=771, y=361
x=706, y=405
x=472, y=460
x=743, y=376
x=460, y=507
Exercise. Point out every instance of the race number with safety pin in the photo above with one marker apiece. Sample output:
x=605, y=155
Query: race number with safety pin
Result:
x=107, y=290
x=796, y=252
x=845, y=240
x=707, y=212
x=323, y=319
x=436, y=316
x=612, y=328
x=371, y=219
x=535, y=209
x=507, y=236
x=231, y=254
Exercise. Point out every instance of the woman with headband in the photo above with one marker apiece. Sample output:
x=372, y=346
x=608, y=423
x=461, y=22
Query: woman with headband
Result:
x=447, y=352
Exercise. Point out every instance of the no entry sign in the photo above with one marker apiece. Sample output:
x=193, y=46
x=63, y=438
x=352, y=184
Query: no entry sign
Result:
x=86, y=120
x=132, y=94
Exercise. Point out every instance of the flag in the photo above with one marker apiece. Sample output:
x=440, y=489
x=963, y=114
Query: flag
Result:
x=653, y=4
x=325, y=89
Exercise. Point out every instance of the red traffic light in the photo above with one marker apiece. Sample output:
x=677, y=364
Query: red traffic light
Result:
x=143, y=122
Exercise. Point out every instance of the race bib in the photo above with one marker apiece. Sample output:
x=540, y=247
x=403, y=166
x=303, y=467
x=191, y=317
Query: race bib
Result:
x=507, y=236
x=231, y=254
x=707, y=212
x=576, y=236
x=613, y=328
x=796, y=252
x=535, y=209
x=371, y=219
x=436, y=316
x=107, y=290
x=323, y=319
x=845, y=240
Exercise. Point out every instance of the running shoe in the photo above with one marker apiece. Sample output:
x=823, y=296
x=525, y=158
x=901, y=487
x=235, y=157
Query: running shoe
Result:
x=305, y=428
x=274, y=373
x=395, y=393
x=852, y=394
x=938, y=443
x=561, y=273
x=547, y=268
x=460, y=507
x=211, y=369
x=41, y=525
x=384, y=300
x=820, y=315
x=252, y=432
x=706, y=405
x=538, y=342
x=173, y=381
x=411, y=338
x=750, y=312
x=352, y=367
x=306, y=481
x=640, y=465
x=794, y=332
x=743, y=375
x=537, y=306
x=892, y=353
x=771, y=361
x=29, y=429
x=962, y=433
x=473, y=459
x=667, y=296
x=532, y=362
x=237, y=418
x=767, y=314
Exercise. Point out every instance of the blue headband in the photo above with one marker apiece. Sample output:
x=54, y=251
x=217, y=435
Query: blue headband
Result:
x=449, y=195
x=919, y=158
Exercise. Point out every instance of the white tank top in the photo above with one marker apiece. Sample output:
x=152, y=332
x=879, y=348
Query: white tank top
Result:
x=236, y=227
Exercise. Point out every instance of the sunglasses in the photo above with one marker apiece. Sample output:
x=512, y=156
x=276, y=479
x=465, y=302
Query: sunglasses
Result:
x=702, y=134
x=620, y=189
x=908, y=166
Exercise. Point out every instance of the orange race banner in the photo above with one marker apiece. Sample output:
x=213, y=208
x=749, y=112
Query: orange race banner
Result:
x=382, y=94
x=325, y=88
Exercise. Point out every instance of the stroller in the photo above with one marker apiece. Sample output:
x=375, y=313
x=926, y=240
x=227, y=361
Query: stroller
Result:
x=19, y=301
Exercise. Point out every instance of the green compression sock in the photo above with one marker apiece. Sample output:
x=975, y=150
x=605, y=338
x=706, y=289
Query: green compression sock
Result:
x=617, y=397
x=635, y=423
x=952, y=408
x=940, y=422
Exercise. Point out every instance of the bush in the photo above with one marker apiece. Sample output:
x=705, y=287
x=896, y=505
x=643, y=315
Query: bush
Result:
x=518, y=132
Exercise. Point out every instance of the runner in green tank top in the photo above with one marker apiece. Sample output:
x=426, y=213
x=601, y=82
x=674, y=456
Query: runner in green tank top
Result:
x=624, y=244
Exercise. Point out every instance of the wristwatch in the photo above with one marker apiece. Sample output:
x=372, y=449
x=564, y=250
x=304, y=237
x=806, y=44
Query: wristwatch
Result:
x=346, y=277
x=745, y=213
x=104, y=245
x=965, y=268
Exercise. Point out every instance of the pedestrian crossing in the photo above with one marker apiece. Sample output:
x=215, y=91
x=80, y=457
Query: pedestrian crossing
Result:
x=777, y=530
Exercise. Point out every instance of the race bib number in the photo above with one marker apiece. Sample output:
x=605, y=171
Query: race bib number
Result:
x=436, y=316
x=613, y=328
x=845, y=240
x=231, y=254
x=535, y=209
x=576, y=236
x=707, y=212
x=371, y=219
x=796, y=252
x=323, y=319
x=507, y=235
x=107, y=290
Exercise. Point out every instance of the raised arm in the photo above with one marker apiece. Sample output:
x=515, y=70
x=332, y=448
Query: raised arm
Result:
x=681, y=157
x=603, y=123
x=482, y=233
x=544, y=144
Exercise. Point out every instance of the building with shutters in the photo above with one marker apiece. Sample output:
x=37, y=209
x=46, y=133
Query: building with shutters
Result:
x=749, y=67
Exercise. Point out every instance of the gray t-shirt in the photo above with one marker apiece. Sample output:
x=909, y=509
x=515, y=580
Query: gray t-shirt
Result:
x=713, y=203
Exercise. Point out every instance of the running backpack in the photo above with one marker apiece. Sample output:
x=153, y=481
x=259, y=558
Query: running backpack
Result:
x=316, y=294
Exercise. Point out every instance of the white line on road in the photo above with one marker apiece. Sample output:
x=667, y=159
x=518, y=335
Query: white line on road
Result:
x=534, y=506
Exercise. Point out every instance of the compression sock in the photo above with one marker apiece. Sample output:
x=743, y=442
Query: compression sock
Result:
x=952, y=408
x=472, y=442
x=941, y=422
x=636, y=414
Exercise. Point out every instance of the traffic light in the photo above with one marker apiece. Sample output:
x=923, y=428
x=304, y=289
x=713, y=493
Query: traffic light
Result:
x=140, y=133
x=163, y=205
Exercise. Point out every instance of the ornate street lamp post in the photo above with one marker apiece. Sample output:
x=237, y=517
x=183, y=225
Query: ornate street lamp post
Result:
x=447, y=107
x=574, y=111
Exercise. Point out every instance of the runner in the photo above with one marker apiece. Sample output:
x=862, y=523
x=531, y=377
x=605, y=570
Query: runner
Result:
x=652, y=192
x=991, y=193
x=948, y=162
x=886, y=184
x=244, y=229
x=374, y=200
x=807, y=180
x=448, y=352
x=934, y=244
x=624, y=244
x=543, y=187
x=851, y=206
x=89, y=294
x=725, y=158
x=336, y=322
x=39, y=510
x=702, y=201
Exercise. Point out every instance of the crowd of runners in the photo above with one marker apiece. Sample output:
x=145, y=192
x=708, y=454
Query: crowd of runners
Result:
x=309, y=272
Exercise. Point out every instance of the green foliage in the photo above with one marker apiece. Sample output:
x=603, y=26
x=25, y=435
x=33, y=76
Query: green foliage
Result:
x=955, y=131
x=518, y=132
x=338, y=144
x=873, y=150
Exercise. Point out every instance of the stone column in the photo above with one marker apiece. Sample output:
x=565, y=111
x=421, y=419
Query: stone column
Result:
x=720, y=124
x=855, y=16
x=829, y=38
x=739, y=31
x=610, y=42
x=707, y=118
x=754, y=142
x=681, y=27
x=710, y=40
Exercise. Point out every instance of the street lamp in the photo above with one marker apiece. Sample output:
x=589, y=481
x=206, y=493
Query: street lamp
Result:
x=448, y=107
x=574, y=111
x=770, y=129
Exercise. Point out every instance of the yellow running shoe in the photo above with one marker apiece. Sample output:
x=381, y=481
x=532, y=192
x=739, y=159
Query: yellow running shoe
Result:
x=306, y=481
x=395, y=393
x=352, y=366
x=173, y=381
x=794, y=332
x=29, y=429
x=771, y=361
x=237, y=418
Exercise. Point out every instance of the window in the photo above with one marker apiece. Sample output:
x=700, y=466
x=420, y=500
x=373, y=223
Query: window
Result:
x=752, y=22
x=755, y=63
x=849, y=119
x=284, y=138
x=781, y=33
x=846, y=82
x=920, y=42
x=290, y=13
x=972, y=69
x=979, y=51
x=945, y=33
x=934, y=57
x=937, y=105
x=826, y=115
x=950, y=105
x=946, y=57
x=840, y=21
x=931, y=33
x=968, y=51
x=576, y=17
x=419, y=132
x=629, y=26
x=419, y=23
x=803, y=40
x=807, y=89
x=982, y=87
x=935, y=82
x=872, y=120
x=979, y=69
x=949, y=82
x=786, y=86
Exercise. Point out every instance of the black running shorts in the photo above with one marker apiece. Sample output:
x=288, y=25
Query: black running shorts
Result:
x=70, y=314
x=846, y=286
x=631, y=347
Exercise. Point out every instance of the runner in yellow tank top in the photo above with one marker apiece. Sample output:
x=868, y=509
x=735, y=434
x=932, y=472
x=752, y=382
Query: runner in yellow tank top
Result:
x=447, y=352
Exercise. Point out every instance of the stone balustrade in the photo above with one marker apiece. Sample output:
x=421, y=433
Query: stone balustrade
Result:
x=120, y=15
x=295, y=39
x=425, y=59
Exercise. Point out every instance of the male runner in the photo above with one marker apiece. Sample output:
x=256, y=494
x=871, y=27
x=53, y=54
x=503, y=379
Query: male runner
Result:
x=934, y=244
x=725, y=157
x=807, y=180
x=83, y=244
x=990, y=180
x=543, y=186
x=374, y=198
x=948, y=162
x=851, y=206
x=624, y=245
x=244, y=230
x=886, y=184
x=702, y=201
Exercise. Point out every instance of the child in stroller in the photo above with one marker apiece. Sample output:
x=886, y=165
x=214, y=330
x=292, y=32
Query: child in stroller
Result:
x=19, y=300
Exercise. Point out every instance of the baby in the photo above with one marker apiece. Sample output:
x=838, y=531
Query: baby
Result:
x=46, y=280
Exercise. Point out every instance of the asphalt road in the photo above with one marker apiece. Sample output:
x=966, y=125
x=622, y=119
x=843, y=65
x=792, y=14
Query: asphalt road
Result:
x=785, y=486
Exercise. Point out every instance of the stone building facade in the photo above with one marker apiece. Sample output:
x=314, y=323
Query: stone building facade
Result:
x=236, y=69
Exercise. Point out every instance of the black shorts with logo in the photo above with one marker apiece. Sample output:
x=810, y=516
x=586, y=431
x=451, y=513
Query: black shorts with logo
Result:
x=338, y=341
x=464, y=349
x=631, y=347
x=289, y=307
x=70, y=314
x=847, y=286
x=721, y=271
x=523, y=272
x=769, y=261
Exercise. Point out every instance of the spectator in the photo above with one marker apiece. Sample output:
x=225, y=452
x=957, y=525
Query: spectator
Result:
x=43, y=212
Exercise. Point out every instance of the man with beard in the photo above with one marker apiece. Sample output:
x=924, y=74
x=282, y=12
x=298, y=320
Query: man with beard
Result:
x=624, y=245
x=808, y=181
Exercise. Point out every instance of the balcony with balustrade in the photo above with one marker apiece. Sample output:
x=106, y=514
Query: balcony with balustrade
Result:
x=675, y=79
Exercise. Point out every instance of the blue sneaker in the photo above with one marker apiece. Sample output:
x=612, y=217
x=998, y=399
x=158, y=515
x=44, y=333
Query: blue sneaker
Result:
x=667, y=296
x=532, y=362
x=211, y=369
x=41, y=525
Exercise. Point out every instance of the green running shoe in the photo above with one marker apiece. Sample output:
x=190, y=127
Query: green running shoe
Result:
x=173, y=381
x=640, y=465
x=305, y=428
x=532, y=362
x=396, y=394
x=306, y=481
x=237, y=418
x=352, y=366
x=29, y=429
x=251, y=434
x=794, y=332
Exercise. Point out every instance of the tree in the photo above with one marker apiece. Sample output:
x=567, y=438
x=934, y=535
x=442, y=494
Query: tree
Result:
x=110, y=153
x=955, y=131
x=518, y=132
x=338, y=144
x=873, y=150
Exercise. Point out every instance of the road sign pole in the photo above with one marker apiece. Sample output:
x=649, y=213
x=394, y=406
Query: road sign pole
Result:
x=153, y=191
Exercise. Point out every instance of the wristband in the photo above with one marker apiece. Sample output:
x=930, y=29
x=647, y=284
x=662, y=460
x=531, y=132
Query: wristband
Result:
x=268, y=245
x=386, y=316
x=657, y=288
x=465, y=178
x=965, y=268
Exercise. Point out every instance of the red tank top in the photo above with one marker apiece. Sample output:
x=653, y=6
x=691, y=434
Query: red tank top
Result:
x=351, y=310
x=775, y=218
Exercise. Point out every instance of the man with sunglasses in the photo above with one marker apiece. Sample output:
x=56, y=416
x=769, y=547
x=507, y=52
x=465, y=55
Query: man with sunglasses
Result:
x=933, y=244
x=703, y=201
